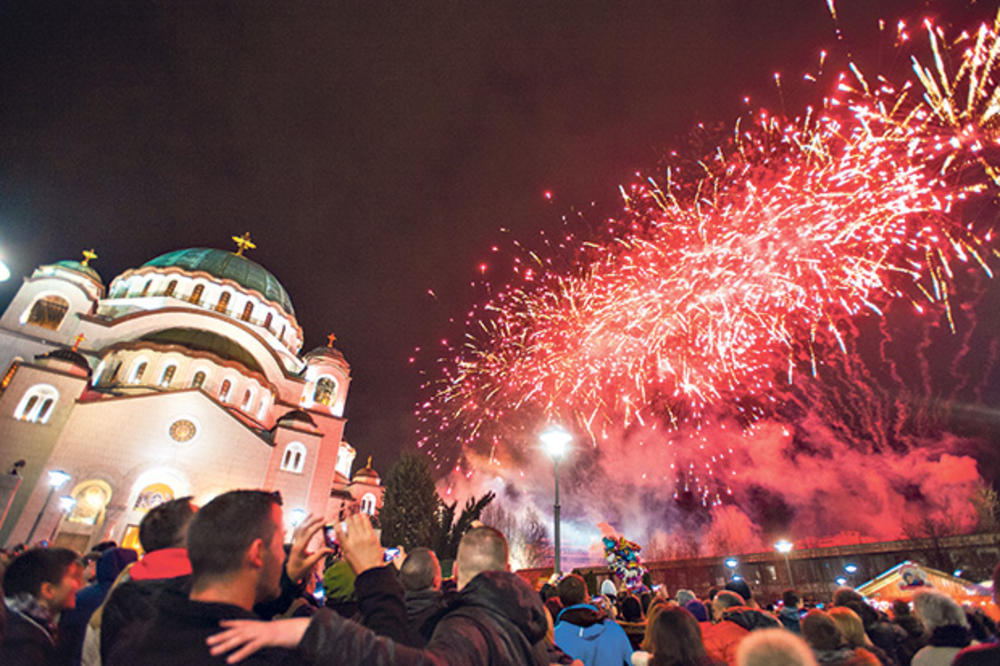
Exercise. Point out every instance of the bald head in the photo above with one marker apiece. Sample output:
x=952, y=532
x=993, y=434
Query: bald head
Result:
x=481, y=549
x=420, y=571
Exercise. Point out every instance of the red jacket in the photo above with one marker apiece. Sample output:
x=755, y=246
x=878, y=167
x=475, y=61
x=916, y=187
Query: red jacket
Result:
x=722, y=639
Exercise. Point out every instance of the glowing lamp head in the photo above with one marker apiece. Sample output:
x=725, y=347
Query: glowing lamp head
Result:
x=4, y=271
x=851, y=568
x=840, y=580
x=732, y=562
x=737, y=578
x=556, y=441
x=57, y=477
x=66, y=503
x=784, y=546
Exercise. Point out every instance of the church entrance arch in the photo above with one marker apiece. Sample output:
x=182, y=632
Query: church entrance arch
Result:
x=150, y=489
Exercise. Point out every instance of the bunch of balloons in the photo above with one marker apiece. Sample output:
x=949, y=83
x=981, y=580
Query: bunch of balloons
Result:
x=622, y=556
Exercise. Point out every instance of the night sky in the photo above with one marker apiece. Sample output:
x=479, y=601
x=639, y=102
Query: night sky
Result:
x=373, y=150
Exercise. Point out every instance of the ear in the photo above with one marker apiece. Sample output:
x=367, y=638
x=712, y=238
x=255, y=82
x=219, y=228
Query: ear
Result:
x=47, y=591
x=255, y=554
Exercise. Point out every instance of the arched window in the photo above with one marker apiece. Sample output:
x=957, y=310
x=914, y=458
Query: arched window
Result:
x=223, y=302
x=168, y=374
x=91, y=500
x=145, y=288
x=368, y=503
x=170, y=288
x=262, y=410
x=196, y=294
x=325, y=389
x=294, y=458
x=247, y=399
x=37, y=403
x=139, y=371
x=227, y=386
x=267, y=320
x=247, y=311
x=199, y=379
x=48, y=312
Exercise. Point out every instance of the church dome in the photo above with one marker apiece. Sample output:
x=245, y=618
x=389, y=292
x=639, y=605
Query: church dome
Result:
x=366, y=473
x=227, y=266
x=79, y=268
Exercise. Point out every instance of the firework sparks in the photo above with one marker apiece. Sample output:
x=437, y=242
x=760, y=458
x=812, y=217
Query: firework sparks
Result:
x=712, y=286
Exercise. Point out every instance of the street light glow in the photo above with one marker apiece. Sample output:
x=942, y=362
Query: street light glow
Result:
x=4, y=271
x=840, y=580
x=851, y=568
x=732, y=562
x=66, y=503
x=784, y=546
x=57, y=477
x=556, y=441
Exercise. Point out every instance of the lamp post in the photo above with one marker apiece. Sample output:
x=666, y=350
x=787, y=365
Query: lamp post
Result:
x=57, y=477
x=784, y=547
x=556, y=440
x=66, y=504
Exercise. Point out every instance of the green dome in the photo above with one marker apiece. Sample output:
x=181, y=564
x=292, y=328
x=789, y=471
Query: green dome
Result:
x=227, y=266
x=79, y=268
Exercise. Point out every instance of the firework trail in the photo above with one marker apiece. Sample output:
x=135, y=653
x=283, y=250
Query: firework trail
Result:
x=718, y=285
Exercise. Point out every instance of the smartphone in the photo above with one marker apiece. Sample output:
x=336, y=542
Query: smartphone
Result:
x=330, y=535
x=390, y=554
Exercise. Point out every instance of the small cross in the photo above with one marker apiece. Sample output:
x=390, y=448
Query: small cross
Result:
x=243, y=243
x=88, y=255
x=329, y=340
x=78, y=339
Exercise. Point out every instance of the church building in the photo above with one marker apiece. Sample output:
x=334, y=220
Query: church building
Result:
x=183, y=377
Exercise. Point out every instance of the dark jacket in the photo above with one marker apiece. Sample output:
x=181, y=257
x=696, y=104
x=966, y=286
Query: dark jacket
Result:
x=497, y=619
x=27, y=643
x=750, y=619
x=978, y=655
x=789, y=618
x=134, y=602
x=421, y=606
x=177, y=634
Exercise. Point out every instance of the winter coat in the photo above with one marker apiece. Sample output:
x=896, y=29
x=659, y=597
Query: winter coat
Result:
x=721, y=639
x=945, y=644
x=845, y=656
x=495, y=620
x=421, y=606
x=177, y=634
x=979, y=655
x=584, y=632
x=73, y=622
x=27, y=643
x=789, y=618
x=750, y=619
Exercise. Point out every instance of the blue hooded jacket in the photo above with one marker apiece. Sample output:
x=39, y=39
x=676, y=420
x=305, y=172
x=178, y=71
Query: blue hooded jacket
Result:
x=586, y=633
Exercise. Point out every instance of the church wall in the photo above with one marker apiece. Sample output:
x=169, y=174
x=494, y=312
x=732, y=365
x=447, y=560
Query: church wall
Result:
x=32, y=442
x=222, y=455
x=16, y=314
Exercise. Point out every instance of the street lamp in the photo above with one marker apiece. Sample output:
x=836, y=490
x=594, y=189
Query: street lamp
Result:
x=57, y=477
x=556, y=440
x=850, y=569
x=4, y=271
x=732, y=563
x=784, y=547
x=840, y=580
x=66, y=504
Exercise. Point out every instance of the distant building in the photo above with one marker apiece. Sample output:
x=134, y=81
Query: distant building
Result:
x=184, y=379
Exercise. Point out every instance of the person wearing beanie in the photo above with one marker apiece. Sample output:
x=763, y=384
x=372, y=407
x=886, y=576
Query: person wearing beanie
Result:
x=697, y=609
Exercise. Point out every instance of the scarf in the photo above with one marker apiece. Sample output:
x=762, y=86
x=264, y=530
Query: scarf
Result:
x=27, y=605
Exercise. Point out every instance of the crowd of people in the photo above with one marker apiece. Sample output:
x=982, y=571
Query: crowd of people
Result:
x=217, y=585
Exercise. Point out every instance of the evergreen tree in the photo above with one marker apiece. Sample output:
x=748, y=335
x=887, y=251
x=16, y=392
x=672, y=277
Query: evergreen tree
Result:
x=450, y=531
x=409, y=513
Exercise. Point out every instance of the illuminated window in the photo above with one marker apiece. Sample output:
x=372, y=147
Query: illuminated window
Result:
x=48, y=312
x=170, y=288
x=168, y=374
x=199, y=379
x=247, y=311
x=262, y=410
x=223, y=302
x=247, y=398
x=36, y=404
x=196, y=294
x=267, y=320
x=91, y=499
x=140, y=370
x=294, y=458
x=368, y=504
x=153, y=496
x=145, y=288
x=325, y=388
x=8, y=377
x=227, y=386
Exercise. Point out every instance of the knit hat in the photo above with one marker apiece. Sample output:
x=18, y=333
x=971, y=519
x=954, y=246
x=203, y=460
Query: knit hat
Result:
x=338, y=582
x=697, y=609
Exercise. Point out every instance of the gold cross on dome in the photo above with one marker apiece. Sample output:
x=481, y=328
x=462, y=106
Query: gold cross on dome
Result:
x=78, y=339
x=88, y=255
x=329, y=340
x=243, y=243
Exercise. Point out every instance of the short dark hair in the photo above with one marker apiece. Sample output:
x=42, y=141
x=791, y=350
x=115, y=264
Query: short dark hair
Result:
x=790, y=598
x=572, y=590
x=728, y=599
x=419, y=569
x=741, y=588
x=820, y=631
x=36, y=566
x=165, y=526
x=223, y=529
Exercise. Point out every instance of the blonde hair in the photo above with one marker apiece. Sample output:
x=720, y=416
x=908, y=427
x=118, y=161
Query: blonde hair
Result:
x=850, y=625
x=774, y=647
